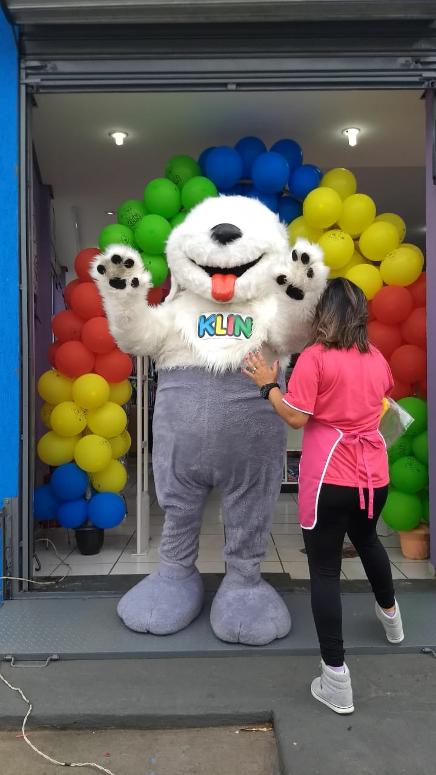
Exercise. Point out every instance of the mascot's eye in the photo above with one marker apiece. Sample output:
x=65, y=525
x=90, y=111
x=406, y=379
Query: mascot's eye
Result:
x=305, y=258
x=294, y=255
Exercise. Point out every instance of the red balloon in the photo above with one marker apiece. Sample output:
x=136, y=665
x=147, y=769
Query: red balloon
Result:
x=422, y=388
x=385, y=338
x=67, y=291
x=409, y=364
x=154, y=296
x=66, y=326
x=414, y=329
x=52, y=350
x=392, y=304
x=97, y=337
x=418, y=290
x=86, y=301
x=115, y=366
x=83, y=261
x=401, y=390
x=74, y=359
x=371, y=315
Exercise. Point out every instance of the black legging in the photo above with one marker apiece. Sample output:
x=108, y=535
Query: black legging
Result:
x=339, y=513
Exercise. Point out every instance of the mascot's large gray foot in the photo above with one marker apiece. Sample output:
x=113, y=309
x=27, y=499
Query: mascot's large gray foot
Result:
x=248, y=610
x=164, y=602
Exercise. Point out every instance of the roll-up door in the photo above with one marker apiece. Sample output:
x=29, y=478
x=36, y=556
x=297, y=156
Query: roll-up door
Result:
x=230, y=56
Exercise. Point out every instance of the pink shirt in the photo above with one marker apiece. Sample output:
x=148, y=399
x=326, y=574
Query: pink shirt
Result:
x=345, y=389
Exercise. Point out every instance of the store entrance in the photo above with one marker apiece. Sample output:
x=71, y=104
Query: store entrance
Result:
x=83, y=177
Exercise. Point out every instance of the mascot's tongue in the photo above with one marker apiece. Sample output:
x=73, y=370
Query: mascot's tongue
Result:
x=223, y=286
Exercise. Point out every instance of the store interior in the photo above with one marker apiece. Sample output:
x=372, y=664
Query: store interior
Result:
x=82, y=177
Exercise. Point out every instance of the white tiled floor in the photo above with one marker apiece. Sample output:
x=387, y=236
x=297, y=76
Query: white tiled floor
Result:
x=284, y=553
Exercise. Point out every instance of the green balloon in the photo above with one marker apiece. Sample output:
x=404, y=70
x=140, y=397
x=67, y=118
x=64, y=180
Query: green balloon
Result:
x=115, y=234
x=409, y=475
x=400, y=448
x=152, y=233
x=178, y=219
x=420, y=447
x=158, y=268
x=196, y=190
x=162, y=197
x=180, y=169
x=417, y=408
x=131, y=212
x=402, y=511
x=425, y=507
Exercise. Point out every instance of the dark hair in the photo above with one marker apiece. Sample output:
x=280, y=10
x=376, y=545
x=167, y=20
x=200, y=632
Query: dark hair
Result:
x=341, y=317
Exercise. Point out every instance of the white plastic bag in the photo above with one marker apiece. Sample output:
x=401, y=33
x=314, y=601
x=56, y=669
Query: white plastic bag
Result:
x=394, y=422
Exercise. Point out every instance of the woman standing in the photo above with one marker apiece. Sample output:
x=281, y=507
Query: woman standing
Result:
x=336, y=392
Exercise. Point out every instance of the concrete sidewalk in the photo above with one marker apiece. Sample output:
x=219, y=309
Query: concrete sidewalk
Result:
x=220, y=751
x=391, y=732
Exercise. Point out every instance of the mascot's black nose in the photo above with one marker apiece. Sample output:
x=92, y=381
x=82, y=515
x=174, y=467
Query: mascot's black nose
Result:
x=225, y=233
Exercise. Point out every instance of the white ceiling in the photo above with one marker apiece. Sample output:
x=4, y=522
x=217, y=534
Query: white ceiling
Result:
x=89, y=173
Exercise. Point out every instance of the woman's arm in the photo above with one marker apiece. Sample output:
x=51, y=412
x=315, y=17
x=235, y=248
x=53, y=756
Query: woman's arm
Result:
x=257, y=369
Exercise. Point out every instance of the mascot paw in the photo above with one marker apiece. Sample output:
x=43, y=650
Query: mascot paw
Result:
x=249, y=612
x=162, y=605
x=120, y=268
x=306, y=274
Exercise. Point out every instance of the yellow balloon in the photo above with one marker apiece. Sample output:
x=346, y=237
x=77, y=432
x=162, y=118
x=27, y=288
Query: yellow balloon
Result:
x=111, y=479
x=56, y=450
x=54, y=388
x=395, y=220
x=108, y=421
x=340, y=180
x=356, y=259
x=90, y=391
x=93, y=453
x=120, y=444
x=120, y=392
x=322, y=208
x=402, y=267
x=337, y=247
x=367, y=277
x=415, y=248
x=68, y=419
x=378, y=240
x=46, y=410
x=357, y=214
x=298, y=228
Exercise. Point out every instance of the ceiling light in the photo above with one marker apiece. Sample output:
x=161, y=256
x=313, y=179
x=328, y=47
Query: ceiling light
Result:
x=351, y=133
x=118, y=136
x=110, y=212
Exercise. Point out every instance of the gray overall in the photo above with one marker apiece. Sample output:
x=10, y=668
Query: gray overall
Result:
x=213, y=431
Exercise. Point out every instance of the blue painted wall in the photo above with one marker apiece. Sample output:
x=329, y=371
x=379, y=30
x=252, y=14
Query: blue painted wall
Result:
x=9, y=265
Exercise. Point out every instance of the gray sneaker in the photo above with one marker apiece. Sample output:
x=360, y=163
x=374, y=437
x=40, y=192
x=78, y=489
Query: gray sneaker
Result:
x=334, y=689
x=393, y=626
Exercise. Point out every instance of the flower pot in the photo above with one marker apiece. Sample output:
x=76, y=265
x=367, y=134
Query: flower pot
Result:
x=415, y=544
x=89, y=539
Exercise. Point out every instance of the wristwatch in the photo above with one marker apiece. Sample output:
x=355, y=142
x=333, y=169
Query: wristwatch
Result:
x=266, y=389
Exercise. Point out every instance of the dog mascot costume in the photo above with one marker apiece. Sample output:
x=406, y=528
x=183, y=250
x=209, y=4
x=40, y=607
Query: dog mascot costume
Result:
x=236, y=288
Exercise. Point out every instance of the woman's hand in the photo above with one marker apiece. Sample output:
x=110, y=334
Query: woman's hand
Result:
x=256, y=367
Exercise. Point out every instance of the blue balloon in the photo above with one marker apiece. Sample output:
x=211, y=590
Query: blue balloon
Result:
x=270, y=172
x=289, y=209
x=290, y=150
x=45, y=505
x=73, y=513
x=269, y=200
x=69, y=482
x=249, y=148
x=202, y=158
x=303, y=180
x=224, y=167
x=106, y=510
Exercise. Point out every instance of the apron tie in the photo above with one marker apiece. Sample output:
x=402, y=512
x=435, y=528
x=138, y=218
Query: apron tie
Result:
x=360, y=440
